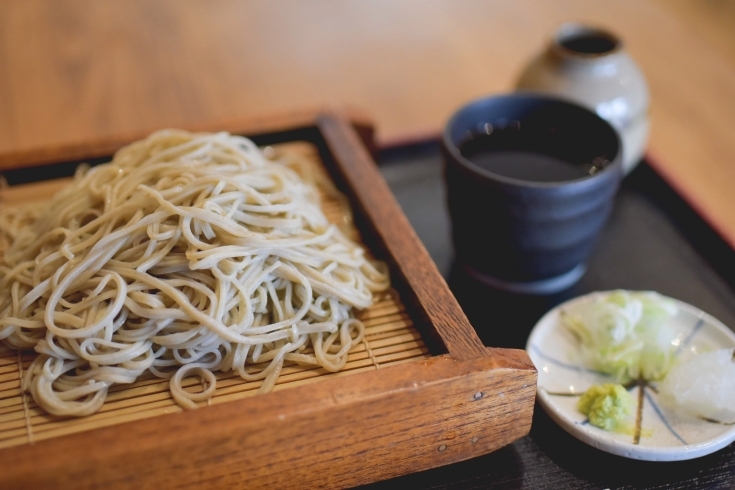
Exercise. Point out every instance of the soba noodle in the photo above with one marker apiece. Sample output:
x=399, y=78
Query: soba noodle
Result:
x=185, y=255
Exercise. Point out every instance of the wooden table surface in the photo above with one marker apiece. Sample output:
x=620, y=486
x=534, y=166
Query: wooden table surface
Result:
x=81, y=70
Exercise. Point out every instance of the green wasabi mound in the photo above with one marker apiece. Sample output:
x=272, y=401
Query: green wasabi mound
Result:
x=607, y=406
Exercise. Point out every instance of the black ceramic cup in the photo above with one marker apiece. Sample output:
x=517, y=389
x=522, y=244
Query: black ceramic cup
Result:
x=530, y=182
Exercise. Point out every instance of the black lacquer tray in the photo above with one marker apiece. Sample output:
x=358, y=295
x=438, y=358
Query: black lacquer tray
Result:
x=653, y=241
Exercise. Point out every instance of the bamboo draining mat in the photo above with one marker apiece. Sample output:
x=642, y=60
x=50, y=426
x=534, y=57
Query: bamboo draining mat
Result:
x=390, y=338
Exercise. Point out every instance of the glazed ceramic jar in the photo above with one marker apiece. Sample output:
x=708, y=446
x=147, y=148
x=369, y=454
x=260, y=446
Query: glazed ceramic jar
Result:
x=589, y=66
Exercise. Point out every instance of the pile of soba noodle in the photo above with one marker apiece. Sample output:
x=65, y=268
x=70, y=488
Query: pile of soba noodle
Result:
x=185, y=255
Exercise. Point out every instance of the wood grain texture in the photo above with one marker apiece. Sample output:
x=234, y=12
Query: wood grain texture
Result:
x=336, y=433
x=107, y=145
x=712, y=21
x=412, y=261
x=82, y=70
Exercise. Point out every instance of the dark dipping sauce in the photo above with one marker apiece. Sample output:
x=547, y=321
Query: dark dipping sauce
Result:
x=531, y=154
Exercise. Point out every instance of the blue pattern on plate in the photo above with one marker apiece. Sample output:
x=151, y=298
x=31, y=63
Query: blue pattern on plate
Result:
x=687, y=341
x=565, y=365
x=663, y=419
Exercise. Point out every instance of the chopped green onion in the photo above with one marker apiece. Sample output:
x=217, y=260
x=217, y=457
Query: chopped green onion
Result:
x=625, y=334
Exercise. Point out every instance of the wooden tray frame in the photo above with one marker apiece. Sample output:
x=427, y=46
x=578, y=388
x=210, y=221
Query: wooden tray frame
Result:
x=465, y=401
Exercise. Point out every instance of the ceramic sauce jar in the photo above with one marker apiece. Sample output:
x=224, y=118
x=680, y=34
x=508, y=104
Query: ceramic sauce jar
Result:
x=589, y=66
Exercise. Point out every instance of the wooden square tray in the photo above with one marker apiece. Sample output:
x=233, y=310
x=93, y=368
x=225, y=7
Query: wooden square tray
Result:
x=421, y=392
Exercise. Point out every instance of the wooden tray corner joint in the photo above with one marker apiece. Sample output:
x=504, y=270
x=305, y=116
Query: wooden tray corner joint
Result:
x=458, y=401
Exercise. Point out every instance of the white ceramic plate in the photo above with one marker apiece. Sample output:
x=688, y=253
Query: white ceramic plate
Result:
x=666, y=435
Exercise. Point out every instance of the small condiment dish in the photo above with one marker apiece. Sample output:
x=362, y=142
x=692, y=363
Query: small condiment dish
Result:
x=665, y=434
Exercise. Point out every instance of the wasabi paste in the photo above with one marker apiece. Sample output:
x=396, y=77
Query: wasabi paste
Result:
x=607, y=406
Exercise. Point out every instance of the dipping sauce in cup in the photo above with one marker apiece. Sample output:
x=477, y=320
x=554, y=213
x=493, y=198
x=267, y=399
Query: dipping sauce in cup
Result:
x=530, y=180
